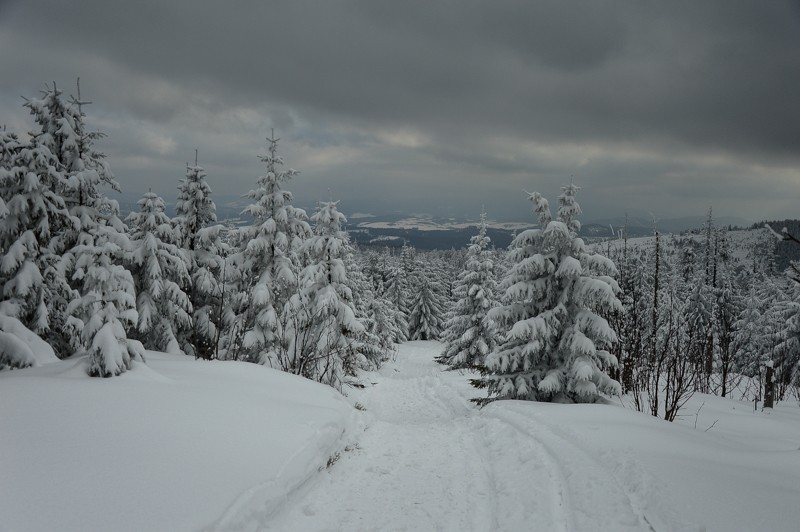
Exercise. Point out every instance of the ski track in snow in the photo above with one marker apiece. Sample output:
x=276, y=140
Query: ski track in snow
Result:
x=430, y=461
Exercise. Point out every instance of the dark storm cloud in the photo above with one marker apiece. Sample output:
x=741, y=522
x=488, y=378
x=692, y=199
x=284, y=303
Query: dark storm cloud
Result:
x=467, y=97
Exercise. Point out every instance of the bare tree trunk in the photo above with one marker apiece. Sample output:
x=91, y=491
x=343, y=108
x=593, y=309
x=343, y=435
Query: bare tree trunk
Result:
x=769, y=387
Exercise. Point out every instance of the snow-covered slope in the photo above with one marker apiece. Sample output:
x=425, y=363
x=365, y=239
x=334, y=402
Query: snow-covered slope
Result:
x=741, y=243
x=173, y=445
x=185, y=445
x=429, y=224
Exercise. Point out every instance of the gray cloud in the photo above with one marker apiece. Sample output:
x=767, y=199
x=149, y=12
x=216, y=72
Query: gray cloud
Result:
x=421, y=105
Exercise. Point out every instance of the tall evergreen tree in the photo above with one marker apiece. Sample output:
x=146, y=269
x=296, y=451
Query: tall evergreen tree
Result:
x=397, y=293
x=159, y=269
x=374, y=345
x=699, y=313
x=468, y=334
x=323, y=330
x=727, y=308
x=385, y=322
x=204, y=249
x=93, y=240
x=552, y=344
x=752, y=338
x=270, y=264
x=31, y=210
x=194, y=209
x=629, y=323
x=428, y=308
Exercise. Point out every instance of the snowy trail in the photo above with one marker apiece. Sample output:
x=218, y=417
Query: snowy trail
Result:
x=593, y=488
x=429, y=460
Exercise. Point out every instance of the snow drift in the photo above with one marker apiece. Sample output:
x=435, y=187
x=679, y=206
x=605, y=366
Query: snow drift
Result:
x=171, y=445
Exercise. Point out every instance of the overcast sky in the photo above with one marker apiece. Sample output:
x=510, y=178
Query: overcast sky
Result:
x=437, y=106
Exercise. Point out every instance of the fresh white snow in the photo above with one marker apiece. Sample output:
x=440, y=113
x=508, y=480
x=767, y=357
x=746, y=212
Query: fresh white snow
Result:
x=185, y=445
x=429, y=460
x=173, y=445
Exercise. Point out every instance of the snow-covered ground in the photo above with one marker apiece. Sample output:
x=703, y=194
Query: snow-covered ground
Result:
x=430, y=461
x=173, y=445
x=185, y=445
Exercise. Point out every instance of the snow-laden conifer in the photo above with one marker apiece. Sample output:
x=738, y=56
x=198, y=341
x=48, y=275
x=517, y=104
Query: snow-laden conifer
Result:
x=385, y=322
x=323, y=327
x=428, y=305
x=85, y=171
x=159, y=269
x=396, y=291
x=375, y=344
x=553, y=342
x=31, y=211
x=107, y=306
x=19, y=346
x=468, y=336
x=786, y=357
x=92, y=240
x=194, y=208
x=269, y=262
x=204, y=250
x=698, y=311
x=728, y=305
x=752, y=336
x=375, y=268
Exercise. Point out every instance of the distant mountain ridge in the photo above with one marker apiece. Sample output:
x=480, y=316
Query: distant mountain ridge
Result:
x=427, y=231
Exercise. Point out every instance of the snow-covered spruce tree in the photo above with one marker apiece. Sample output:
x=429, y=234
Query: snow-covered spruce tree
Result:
x=204, y=250
x=408, y=259
x=322, y=325
x=446, y=277
x=783, y=370
x=629, y=324
x=752, y=337
x=107, y=306
x=782, y=328
x=385, y=322
x=699, y=311
x=397, y=293
x=381, y=316
x=785, y=361
x=269, y=266
x=375, y=270
x=468, y=336
x=93, y=242
x=159, y=269
x=194, y=209
x=553, y=342
x=85, y=170
x=727, y=307
x=30, y=211
x=375, y=345
x=427, y=307
x=39, y=173
x=19, y=346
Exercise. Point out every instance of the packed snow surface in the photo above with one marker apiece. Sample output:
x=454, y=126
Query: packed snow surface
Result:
x=429, y=460
x=185, y=445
